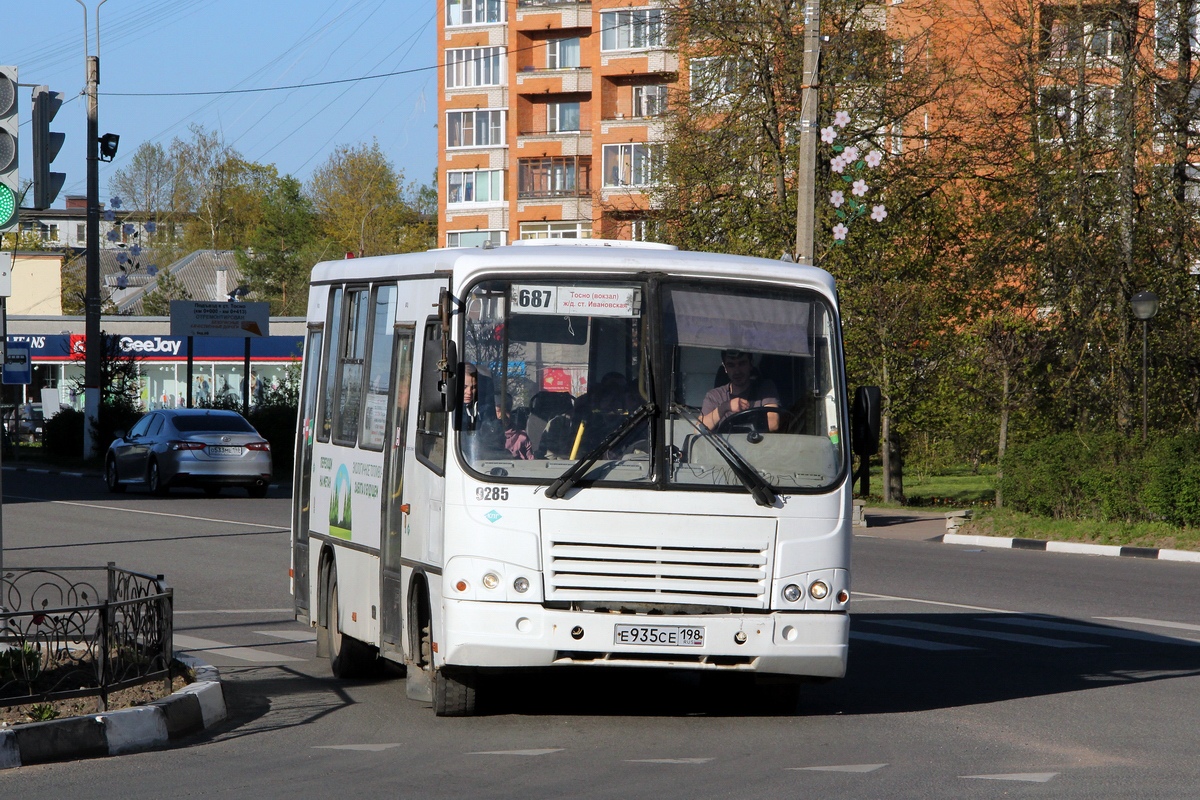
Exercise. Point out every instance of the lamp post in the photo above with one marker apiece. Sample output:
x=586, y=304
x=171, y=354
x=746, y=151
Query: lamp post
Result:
x=1145, y=306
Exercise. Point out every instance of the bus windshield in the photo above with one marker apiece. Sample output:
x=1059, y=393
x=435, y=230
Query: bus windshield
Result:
x=559, y=371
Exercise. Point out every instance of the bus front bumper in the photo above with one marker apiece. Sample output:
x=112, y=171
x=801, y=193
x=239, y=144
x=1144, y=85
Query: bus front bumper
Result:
x=483, y=634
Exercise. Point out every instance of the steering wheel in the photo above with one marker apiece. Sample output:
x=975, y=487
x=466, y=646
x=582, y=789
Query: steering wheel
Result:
x=752, y=420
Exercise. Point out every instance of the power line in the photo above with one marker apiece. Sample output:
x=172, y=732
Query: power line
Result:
x=273, y=88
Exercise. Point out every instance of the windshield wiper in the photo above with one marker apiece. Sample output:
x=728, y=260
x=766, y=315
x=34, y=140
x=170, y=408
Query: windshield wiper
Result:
x=565, y=481
x=755, y=483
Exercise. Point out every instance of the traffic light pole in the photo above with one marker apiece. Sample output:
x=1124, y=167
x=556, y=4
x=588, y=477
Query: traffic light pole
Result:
x=92, y=346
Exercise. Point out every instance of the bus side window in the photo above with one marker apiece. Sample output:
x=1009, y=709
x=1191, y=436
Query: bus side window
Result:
x=431, y=425
x=351, y=357
x=333, y=328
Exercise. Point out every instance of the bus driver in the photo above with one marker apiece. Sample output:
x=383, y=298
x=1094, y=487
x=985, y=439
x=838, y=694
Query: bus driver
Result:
x=743, y=392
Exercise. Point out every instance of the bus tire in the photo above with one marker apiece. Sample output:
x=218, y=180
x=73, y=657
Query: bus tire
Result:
x=454, y=692
x=348, y=657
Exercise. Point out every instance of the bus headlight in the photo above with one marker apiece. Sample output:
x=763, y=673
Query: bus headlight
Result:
x=819, y=590
x=792, y=593
x=521, y=585
x=490, y=580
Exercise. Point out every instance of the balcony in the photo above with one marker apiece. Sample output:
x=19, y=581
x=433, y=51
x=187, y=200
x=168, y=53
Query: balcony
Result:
x=555, y=14
x=553, y=178
x=531, y=80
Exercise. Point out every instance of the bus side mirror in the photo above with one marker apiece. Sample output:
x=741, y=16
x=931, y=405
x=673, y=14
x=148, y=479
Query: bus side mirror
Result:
x=865, y=421
x=439, y=389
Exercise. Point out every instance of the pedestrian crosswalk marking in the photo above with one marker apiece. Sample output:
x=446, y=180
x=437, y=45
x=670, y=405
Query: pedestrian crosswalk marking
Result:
x=291, y=635
x=1094, y=630
x=1025, y=777
x=1018, y=638
x=1157, y=623
x=841, y=768
x=195, y=643
x=901, y=641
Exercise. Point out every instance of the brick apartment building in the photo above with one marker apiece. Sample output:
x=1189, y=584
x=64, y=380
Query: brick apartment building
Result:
x=549, y=113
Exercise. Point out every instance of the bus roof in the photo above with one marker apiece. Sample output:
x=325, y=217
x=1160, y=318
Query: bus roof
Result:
x=595, y=257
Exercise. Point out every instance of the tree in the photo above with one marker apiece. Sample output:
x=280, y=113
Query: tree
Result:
x=283, y=248
x=155, y=185
x=167, y=287
x=357, y=196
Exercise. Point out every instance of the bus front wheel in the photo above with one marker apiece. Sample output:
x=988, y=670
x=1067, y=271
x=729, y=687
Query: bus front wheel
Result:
x=454, y=692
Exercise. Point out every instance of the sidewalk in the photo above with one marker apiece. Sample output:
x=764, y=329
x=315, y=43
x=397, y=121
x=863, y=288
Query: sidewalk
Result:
x=899, y=523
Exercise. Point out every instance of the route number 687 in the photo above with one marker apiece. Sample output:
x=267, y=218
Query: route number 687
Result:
x=491, y=494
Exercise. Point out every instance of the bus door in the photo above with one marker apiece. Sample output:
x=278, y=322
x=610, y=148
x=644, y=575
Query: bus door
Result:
x=395, y=510
x=302, y=479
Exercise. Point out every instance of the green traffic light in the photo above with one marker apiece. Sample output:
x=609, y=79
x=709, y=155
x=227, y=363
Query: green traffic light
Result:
x=8, y=205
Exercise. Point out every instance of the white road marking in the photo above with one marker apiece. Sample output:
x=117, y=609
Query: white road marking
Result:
x=1158, y=623
x=1027, y=777
x=291, y=636
x=667, y=760
x=1117, y=633
x=142, y=511
x=933, y=603
x=1019, y=638
x=195, y=643
x=544, y=752
x=367, y=748
x=901, y=641
x=842, y=768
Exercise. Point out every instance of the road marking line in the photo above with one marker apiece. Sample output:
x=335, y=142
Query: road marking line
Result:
x=900, y=641
x=141, y=511
x=291, y=636
x=368, y=748
x=237, y=611
x=842, y=768
x=1027, y=777
x=934, y=603
x=667, y=760
x=1158, y=623
x=1020, y=638
x=544, y=752
x=195, y=643
x=1094, y=630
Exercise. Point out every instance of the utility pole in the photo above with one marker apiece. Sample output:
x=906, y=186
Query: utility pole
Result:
x=810, y=97
x=91, y=374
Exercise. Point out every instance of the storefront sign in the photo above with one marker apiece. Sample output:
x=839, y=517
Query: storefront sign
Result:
x=240, y=320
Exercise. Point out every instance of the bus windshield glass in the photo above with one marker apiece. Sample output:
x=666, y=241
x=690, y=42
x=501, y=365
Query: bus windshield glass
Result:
x=752, y=370
x=744, y=397
x=552, y=370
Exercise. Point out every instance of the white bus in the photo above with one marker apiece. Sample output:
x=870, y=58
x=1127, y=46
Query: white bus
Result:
x=599, y=453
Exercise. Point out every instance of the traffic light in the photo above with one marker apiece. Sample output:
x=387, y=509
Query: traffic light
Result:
x=9, y=182
x=46, y=144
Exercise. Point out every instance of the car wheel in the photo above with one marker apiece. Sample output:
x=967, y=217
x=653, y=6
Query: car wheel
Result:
x=257, y=490
x=111, y=477
x=154, y=480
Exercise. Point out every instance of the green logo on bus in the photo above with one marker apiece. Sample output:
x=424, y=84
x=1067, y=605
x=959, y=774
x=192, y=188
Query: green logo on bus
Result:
x=339, y=505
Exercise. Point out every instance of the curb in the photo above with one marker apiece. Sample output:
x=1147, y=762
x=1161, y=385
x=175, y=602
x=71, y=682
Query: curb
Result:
x=197, y=706
x=47, y=471
x=1160, y=554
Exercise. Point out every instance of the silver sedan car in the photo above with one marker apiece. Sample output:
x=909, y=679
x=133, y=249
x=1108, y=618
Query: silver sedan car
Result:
x=189, y=447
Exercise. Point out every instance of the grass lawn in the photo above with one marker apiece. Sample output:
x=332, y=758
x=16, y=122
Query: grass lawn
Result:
x=1004, y=522
x=957, y=487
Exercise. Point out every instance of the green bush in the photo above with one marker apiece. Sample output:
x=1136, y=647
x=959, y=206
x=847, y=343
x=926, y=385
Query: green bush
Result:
x=1106, y=477
x=63, y=434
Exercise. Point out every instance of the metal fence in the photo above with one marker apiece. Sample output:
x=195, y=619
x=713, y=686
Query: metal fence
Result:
x=62, y=637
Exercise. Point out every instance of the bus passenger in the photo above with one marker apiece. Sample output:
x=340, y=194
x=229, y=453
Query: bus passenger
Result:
x=744, y=391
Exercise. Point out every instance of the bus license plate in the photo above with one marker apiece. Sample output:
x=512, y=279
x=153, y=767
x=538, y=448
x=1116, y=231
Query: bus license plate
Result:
x=221, y=450
x=665, y=635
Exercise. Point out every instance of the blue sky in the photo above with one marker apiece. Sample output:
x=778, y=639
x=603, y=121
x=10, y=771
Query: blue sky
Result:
x=173, y=46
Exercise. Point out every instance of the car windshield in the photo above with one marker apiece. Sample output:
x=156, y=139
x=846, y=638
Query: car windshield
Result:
x=211, y=423
x=552, y=370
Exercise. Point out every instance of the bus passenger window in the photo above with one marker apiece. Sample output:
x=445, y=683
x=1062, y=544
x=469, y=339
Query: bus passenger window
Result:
x=431, y=425
x=350, y=368
x=333, y=327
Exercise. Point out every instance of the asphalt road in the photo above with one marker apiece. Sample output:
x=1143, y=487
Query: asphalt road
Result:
x=973, y=673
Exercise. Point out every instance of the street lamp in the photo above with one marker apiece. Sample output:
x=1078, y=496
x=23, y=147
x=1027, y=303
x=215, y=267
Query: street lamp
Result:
x=1145, y=306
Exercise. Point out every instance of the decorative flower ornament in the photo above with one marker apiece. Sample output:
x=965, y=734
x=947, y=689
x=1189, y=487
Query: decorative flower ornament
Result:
x=152, y=270
x=113, y=236
x=128, y=229
x=849, y=163
x=109, y=216
x=122, y=281
x=150, y=227
x=114, y=201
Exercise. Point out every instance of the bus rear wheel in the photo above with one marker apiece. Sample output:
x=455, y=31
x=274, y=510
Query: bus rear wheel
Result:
x=454, y=692
x=348, y=657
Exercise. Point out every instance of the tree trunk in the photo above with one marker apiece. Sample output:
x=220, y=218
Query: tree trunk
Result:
x=1002, y=445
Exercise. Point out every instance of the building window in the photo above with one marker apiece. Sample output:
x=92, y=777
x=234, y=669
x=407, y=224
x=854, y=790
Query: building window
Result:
x=650, y=100
x=474, y=186
x=474, y=66
x=562, y=117
x=474, y=12
x=474, y=128
x=1166, y=28
x=557, y=230
x=716, y=80
x=562, y=53
x=1099, y=112
x=554, y=177
x=632, y=29
x=629, y=164
x=474, y=238
x=1066, y=34
x=1054, y=113
x=81, y=232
